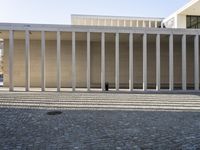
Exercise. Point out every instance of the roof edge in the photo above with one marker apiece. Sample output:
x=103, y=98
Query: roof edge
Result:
x=116, y=17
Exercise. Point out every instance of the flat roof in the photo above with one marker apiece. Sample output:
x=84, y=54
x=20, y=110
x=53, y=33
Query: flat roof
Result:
x=95, y=29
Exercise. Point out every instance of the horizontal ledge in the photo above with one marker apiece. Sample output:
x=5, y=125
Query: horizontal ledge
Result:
x=107, y=29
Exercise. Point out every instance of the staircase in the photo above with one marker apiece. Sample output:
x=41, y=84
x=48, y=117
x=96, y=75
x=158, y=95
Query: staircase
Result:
x=101, y=101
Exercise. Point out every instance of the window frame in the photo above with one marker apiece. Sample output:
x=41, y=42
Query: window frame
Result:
x=193, y=22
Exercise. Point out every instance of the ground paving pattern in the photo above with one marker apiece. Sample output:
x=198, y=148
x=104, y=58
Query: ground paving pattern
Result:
x=99, y=121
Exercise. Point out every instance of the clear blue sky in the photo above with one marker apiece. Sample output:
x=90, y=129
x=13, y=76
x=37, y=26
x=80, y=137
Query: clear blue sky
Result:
x=59, y=11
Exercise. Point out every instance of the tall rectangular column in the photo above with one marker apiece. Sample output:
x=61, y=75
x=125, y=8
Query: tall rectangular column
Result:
x=11, y=51
x=149, y=24
x=156, y=24
x=103, y=61
x=143, y=24
x=73, y=61
x=124, y=23
x=196, y=62
x=184, y=63
x=171, y=63
x=145, y=61
x=158, y=62
x=137, y=23
x=58, y=62
x=88, y=61
x=131, y=23
x=117, y=61
x=131, y=61
x=27, y=60
x=43, y=61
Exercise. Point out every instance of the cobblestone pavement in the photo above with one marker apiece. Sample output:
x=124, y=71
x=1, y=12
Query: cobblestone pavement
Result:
x=99, y=121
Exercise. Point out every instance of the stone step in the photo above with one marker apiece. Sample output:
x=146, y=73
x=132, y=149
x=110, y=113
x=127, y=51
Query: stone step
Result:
x=101, y=101
x=41, y=106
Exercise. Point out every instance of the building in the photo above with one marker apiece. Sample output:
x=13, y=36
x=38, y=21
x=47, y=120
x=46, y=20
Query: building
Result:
x=119, y=21
x=130, y=53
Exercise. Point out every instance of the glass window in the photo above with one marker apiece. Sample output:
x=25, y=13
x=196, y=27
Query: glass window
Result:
x=188, y=22
x=193, y=22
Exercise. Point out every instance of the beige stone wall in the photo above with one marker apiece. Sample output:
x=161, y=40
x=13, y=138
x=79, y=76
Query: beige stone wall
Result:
x=19, y=65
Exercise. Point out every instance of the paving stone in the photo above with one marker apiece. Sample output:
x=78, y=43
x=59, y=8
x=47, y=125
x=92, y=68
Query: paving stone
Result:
x=100, y=121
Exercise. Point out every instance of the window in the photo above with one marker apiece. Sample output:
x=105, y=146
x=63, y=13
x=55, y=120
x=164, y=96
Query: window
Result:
x=193, y=22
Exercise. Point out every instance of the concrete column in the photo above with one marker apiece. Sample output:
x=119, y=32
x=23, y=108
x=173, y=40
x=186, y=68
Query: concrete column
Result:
x=171, y=63
x=156, y=24
x=124, y=23
x=149, y=24
x=137, y=23
x=103, y=61
x=43, y=61
x=143, y=23
x=88, y=61
x=131, y=61
x=11, y=53
x=58, y=62
x=73, y=61
x=131, y=23
x=196, y=62
x=184, y=79
x=144, y=62
x=27, y=60
x=158, y=62
x=117, y=61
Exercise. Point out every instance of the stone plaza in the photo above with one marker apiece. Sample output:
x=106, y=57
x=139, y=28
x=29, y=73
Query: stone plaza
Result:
x=99, y=120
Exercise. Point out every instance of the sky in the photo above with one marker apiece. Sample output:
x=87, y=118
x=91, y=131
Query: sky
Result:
x=59, y=11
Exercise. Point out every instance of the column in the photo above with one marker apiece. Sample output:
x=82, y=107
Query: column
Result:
x=117, y=61
x=11, y=51
x=103, y=61
x=131, y=61
x=43, y=60
x=27, y=60
x=156, y=24
x=137, y=23
x=171, y=63
x=58, y=62
x=88, y=61
x=149, y=24
x=131, y=23
x=124, y=23
x=143, y=23
x=158, y=62
x=184, y=62
x=196, y=62
x=144, y=62
x=73, y=61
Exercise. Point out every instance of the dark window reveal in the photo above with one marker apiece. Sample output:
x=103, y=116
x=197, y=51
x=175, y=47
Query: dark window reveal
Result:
x=193, y=22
